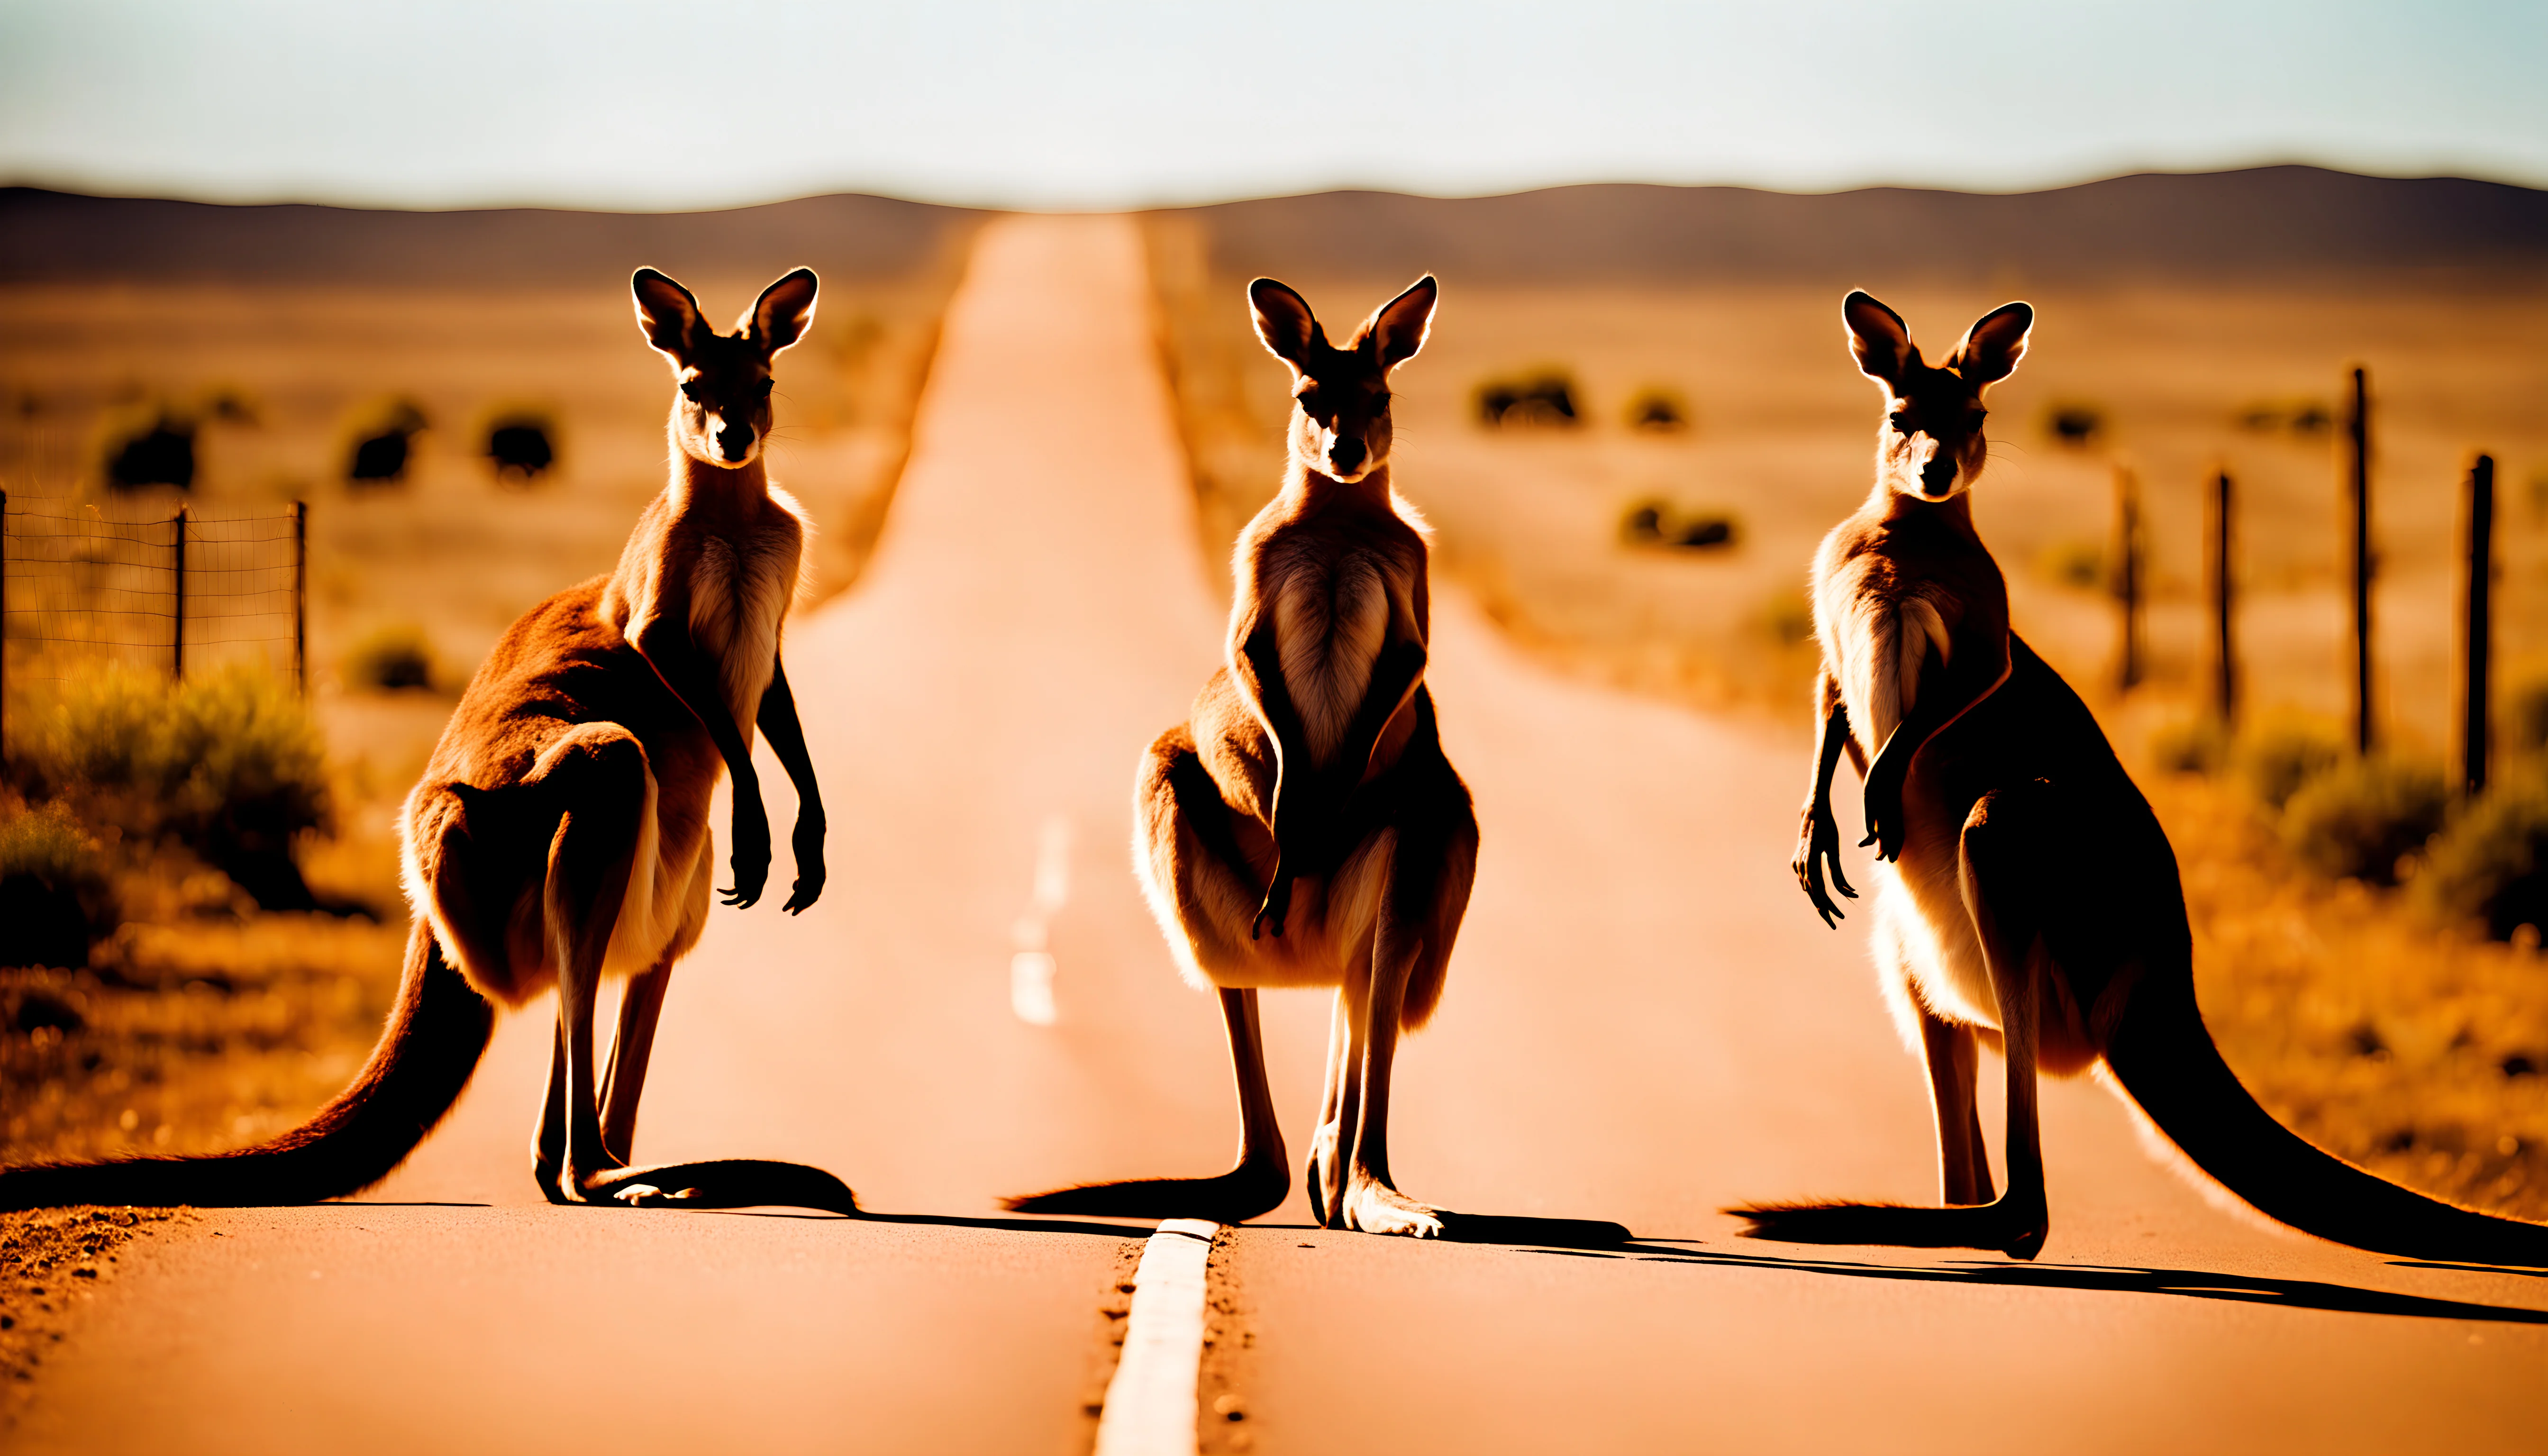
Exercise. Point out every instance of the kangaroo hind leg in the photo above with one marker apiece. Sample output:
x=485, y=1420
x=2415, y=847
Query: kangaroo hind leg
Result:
x=1191, y=868
x=1372, y=1201
x=632, y=1047
x=596, y=777
x=1254, y=1187
x=1954, y=1054
x=2008, y=842
x=1323, y=1175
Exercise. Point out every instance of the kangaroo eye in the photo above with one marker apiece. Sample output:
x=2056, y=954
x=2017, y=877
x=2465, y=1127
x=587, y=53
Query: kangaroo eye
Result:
x=692, y=390
x=1379, y=403
x=767, y=386
x=1901, y=422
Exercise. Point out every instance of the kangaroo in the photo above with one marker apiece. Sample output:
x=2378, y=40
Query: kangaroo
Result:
x=1303, y=826
x=561, y=831
x=2026, y=896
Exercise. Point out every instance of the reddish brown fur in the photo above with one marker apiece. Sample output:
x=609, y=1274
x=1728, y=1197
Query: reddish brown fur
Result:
x=1303, y=828
x=2028, y=898
x=561, y=828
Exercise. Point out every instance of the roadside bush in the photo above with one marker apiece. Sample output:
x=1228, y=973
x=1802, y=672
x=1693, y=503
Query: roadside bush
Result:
x=2526, y=718
x=391, y=658
x=54, y=895
x=1789, y=618
x=1659, y=409
x=2074, y=422
x=1545, y=398
x=2492, y=863
x=1661, y=523
x=2359, y=818
x=2281, y=754
x=227, y=763
x=2076, y=564
x=2193, y=746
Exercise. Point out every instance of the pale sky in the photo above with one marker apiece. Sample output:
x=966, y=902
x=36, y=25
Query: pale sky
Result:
x=644, y=105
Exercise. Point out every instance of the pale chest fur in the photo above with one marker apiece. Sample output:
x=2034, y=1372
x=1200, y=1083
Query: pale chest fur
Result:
x=740, y=589
x=1877, y=631
x=1331, y=613
x=730, y=589
x=1880, y=626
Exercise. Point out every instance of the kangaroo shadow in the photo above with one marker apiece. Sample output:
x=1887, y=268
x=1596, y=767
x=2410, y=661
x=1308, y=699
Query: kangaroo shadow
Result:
x=2194, y=1283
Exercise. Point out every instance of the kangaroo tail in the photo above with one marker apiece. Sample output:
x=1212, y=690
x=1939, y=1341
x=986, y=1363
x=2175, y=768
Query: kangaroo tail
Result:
x=2166, y=1062
x=436, y=1035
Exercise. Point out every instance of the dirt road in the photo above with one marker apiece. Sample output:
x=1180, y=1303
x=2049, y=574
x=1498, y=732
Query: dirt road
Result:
x=1644, y=1022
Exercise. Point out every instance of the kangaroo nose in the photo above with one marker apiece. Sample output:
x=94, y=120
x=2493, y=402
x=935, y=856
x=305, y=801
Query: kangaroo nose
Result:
x=1938, y=475
x=734, y=440
x=1347, y=452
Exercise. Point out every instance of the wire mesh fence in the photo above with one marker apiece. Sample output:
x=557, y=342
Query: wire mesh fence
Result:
x=83, y=581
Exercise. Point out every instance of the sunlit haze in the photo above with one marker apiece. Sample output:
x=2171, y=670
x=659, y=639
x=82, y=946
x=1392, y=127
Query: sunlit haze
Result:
x=652, y=105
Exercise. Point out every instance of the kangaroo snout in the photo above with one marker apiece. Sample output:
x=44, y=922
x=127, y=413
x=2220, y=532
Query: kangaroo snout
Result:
x=1347, y=454
x=1938, y=477
x=734, y=442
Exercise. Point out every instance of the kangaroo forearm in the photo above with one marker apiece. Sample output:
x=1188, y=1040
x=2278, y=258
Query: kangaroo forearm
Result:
x=1830, y=738
x=1258, y=671
x=1958, y=693
x=1393, y=685
x=786, y=732
x=692, y=679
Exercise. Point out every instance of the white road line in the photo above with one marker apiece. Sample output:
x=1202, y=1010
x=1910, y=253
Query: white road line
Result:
x=1030, y=969
x=1150, y=1403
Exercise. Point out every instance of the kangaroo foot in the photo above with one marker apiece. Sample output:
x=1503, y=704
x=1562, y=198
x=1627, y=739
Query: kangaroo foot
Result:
x=1320, y=1178
x=551, y=1179
x=1376, y=1208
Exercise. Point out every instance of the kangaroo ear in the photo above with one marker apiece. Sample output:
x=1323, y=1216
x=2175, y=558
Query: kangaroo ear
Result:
x=1284, y=323
x=666, y=314
x=1991, y=347
x=1878, y=337
x=1399, y=327
x=784, y=313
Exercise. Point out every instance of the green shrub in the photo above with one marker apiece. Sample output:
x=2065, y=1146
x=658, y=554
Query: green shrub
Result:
x=2193, y=746
x=390, y=658
x=2281, y=754
x=54, y=895
x=227, y=763
x=2359, y=818
x=2525, y=716
x=1788, y=617
x=2492, y=863
x=2076, y=564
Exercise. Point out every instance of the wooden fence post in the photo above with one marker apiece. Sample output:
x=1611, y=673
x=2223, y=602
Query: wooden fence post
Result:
x=301, y=596
x=2225, y=683
x=2128, y=573
x=2358, y=429
x=2480, y=580
x=4, y=628
x=177, y=644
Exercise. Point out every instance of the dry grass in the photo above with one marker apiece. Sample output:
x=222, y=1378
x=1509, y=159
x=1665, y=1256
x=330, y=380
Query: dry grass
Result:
x=193, y=1036
x=2419, y=1054
x=205, y=1025
x=2350, y=1015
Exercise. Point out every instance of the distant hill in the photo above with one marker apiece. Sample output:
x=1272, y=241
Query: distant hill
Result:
x=63, y=236
x=2261, y=223
x=2265, y=222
